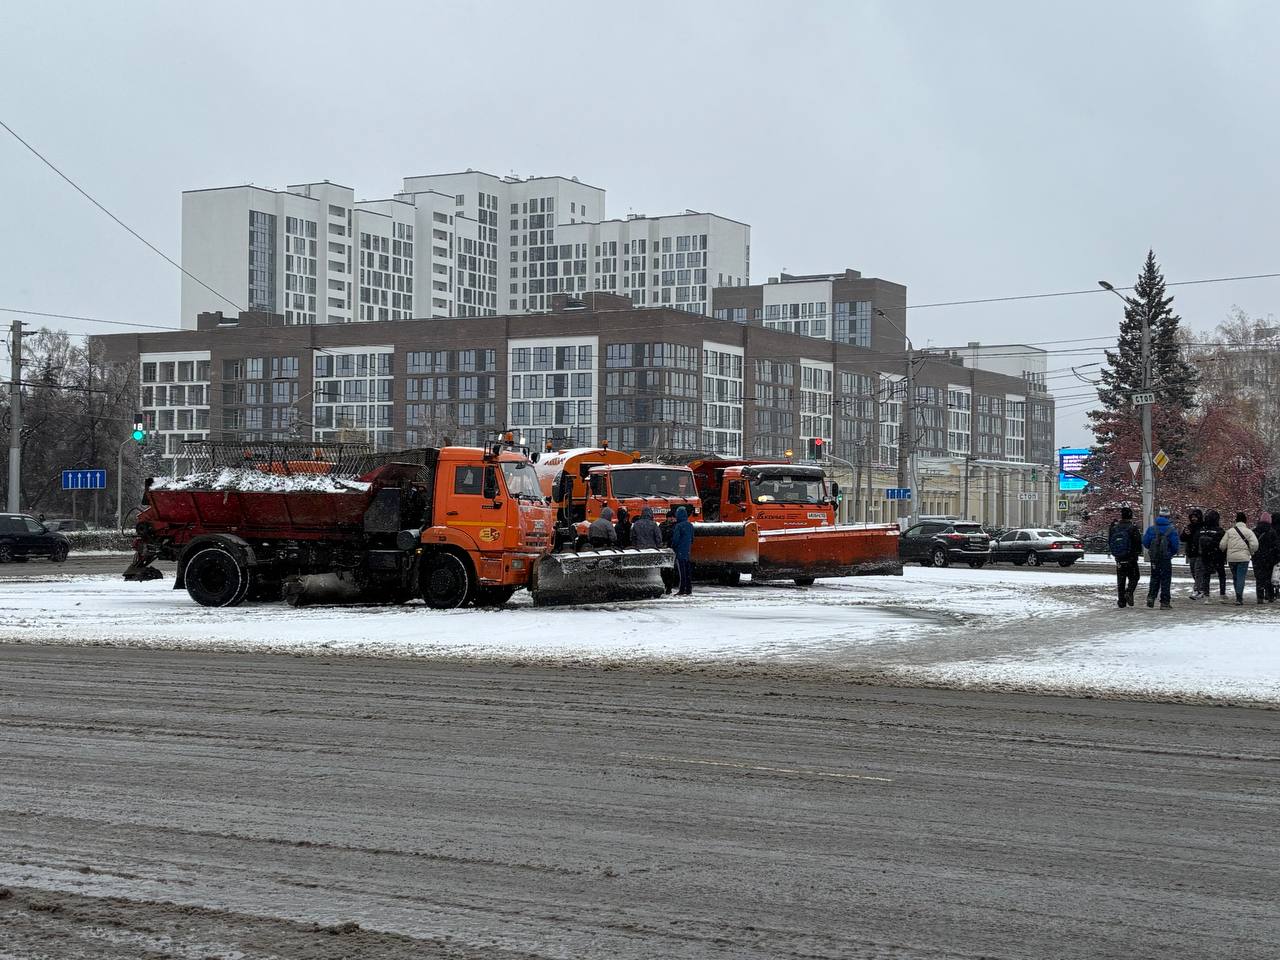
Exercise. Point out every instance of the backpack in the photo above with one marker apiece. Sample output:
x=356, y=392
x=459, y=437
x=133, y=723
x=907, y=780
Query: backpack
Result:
x=1209, y=537
x=1159, y=549
x=1120, y=542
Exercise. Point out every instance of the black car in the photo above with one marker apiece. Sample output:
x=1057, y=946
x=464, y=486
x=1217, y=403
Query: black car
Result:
x=1035, y=546
x=23, y=537
x=938, y=543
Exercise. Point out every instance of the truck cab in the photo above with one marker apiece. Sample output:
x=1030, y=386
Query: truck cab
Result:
x=777, y=496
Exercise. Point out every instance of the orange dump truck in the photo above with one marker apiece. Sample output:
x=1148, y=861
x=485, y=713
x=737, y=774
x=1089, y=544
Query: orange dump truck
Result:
x=792, y=509
x=455, y=526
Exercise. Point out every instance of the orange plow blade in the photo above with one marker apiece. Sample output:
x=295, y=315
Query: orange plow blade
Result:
x=844, y=551
x=726, y=547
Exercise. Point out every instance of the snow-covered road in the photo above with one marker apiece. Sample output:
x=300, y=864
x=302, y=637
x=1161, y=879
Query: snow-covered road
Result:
x=1013, y=629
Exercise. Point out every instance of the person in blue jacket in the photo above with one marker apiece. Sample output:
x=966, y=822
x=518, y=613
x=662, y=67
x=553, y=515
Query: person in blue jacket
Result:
x=682, y=544
x=1161, y=543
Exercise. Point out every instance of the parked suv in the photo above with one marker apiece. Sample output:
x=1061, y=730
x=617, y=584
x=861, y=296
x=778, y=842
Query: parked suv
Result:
x=938, y=543
x=65, y=525
x=23, y=537
x=1035, y=545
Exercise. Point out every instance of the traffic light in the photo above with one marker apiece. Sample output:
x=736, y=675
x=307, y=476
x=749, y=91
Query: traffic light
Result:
x=815, y=448
x=139, y=434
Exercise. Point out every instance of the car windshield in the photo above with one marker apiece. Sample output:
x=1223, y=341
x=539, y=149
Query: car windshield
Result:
x=655, y=482
x=774, y=489
x=521, y=480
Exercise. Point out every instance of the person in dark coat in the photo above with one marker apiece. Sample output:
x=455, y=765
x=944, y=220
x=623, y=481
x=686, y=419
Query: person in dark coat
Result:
x=682, y=544
x=1124, y=541
x=1190, y=538
x=669, y=577
x=645, y=534
x=1264, y=559
x=1211, y=553
x=601, y=532
x=623, y=527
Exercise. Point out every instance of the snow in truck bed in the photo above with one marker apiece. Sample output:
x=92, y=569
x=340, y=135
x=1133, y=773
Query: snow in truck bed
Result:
x=255, y=481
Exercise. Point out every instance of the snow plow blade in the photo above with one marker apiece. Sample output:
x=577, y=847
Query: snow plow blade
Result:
x=847, y=551
x=140, y=571
x=597, y=576
x=726, y=546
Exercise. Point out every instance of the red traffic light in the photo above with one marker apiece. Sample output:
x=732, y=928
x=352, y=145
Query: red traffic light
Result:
x=817, y=441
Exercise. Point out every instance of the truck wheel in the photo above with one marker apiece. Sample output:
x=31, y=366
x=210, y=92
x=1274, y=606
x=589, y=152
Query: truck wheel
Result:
x=804, y=581
x=217, y=578
x=493, y=596
x=729, y=578
x=446, y=582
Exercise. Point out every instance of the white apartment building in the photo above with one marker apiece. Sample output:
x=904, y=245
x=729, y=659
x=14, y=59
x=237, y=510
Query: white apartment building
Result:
x=447, y=245
x=1009, y=359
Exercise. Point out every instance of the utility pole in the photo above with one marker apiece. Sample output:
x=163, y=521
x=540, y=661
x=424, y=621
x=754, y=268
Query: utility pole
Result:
x=1148, y=470
x=15, y=417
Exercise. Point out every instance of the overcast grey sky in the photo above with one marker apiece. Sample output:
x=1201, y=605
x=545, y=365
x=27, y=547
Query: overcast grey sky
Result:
x=966, y=150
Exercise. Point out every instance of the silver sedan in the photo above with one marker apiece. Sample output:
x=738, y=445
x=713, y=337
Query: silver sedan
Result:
x=1035, y=546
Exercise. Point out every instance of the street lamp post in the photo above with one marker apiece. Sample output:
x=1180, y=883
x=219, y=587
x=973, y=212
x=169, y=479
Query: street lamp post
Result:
x=907, y=437
x=1148, y=472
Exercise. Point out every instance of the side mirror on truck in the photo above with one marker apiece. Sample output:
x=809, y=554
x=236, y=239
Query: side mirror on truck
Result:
x=490, y=489
x=596, y=482
x=737, y=491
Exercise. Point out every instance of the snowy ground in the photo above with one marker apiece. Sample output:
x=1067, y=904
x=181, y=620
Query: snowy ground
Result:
x=1001, y=628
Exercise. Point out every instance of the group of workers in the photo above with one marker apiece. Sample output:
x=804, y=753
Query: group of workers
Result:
x=675, y=532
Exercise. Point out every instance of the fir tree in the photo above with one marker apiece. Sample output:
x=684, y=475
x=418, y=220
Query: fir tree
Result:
x=1173, y=380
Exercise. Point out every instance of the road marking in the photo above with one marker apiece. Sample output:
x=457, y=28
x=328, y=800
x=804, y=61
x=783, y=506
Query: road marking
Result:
x=751, y=766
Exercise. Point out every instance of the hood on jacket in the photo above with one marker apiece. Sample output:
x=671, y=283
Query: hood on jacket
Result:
x=1195, y=519
x=606, y=513
x=1164, y=523
x=646, y=513
x=622, y=514
x=681, y=514
x=1212, y=519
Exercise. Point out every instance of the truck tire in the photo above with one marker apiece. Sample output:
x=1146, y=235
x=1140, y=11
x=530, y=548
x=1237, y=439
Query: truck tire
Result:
x=803, y=581
x=446, y=581
x=216, y=577
x=728, y=578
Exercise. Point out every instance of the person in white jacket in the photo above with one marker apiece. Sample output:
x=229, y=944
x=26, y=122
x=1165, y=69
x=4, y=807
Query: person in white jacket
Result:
x=1239, y=544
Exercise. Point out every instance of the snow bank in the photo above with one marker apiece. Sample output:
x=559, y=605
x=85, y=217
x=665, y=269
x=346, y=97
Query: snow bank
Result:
x=255, y=481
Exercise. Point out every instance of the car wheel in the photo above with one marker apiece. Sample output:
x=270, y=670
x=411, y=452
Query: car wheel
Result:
x=6, y=553
x=977, y=564
x=1065, y=563
x=1033, y=559
x=59, y=554
x=940, y=557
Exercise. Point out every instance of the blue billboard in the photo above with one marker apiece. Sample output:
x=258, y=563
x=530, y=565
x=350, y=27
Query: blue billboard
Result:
x=1070, y=462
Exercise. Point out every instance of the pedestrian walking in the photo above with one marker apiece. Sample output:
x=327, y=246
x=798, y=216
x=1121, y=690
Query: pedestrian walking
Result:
x=1161, y=543
x=1190, y=537
x=1125, y=543
x=1239, y=544
x=623, y=527
x=1264, y=560
x=601, y=532
x=670, y=578
x=1211, y=554
x=682, y=544
x=645, y=534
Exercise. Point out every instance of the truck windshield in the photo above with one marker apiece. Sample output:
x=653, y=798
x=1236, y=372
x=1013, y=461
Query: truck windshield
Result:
x=787, y=490
x=657, y=482
x=521, y=481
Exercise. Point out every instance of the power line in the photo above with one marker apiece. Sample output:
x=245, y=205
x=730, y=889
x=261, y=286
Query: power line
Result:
x=151, y=246
x=1076, y=293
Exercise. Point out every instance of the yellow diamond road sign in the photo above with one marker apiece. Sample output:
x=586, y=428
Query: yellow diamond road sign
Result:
x=1161, y=460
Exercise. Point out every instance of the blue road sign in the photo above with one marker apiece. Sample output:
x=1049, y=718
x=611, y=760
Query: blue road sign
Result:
x=897, y=493
x=84, y=479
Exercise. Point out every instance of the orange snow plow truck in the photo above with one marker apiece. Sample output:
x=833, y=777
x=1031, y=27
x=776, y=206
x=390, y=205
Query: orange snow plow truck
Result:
x=793, y=508
x=319, y=523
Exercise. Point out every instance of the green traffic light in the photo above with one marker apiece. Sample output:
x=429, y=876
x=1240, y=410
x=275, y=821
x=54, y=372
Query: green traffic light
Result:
x=139, y=435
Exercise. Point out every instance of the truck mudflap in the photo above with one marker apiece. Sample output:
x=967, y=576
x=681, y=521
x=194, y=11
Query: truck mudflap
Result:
x=726, y=547
x=846, y=551
x=599, y=576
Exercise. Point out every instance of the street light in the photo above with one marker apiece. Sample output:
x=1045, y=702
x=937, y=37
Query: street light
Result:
x=1148, y=474
x=907, y=454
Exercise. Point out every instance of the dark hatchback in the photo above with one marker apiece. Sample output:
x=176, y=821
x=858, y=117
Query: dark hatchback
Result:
x=23, y=537
x=939, y=543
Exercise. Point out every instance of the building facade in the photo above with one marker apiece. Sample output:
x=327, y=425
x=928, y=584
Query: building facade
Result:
x=447, y=245
x=657, y=380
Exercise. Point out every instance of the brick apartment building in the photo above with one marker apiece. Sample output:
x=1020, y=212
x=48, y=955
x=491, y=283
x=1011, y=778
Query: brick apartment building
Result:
x=653, y=379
